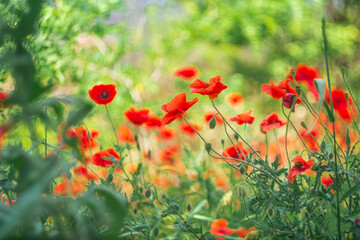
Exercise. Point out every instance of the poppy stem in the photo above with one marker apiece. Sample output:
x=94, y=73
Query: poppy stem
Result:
x=112, y=125
x=348, y=87
x=333, y=124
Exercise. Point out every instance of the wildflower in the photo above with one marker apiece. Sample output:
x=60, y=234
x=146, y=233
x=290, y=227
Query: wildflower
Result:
x=103, y=157
x=300, y=166
x=242, y=232
x=187, y=72
x=185, y=128
x=132, y=168
x=81, y=171
x=137, y=117
x=175, y=107
x=275, y=91
x=3, y=96
x=270, y=122
x=237, y=153
x=212, y=89
x=340, y=104
x=124, y=135
x=153, y=122
x=234, y=99
x=326, y=180
x=242, y=118
x=103, y=94
x=306, y=74
x=166, y=133
x=220, y=227
x=288, y=99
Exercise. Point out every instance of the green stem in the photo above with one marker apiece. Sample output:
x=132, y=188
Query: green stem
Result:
x=112, y=124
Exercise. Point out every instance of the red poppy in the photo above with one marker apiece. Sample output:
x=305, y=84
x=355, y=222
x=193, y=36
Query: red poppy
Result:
x=153, y=122
x=169, y=155
x=275, y=91
x=242, y=232
x=220, y=227
x=270, y=122
x=175, y=107
x=242, y=118
x=125, y=135
x=234, y=99
x=103, y=157
x=288, y=99
x=68, y=187
x=103, y=94
x=238, y=153
x=132, y=168
x=210, y=114
x=326, y=180
x=166, y=133
x=187, y=73
x=212, y=89
x=81, y=171
x=3, y=96
x=85, y=137
x=137, y=117
x=3, y=131
x=185, y=128
x=306, y=74
x=340, y=104
x=300, y=166
x=308, y=137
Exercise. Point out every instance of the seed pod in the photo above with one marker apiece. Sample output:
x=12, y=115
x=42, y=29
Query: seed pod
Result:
x=188, y=207
x=148, y=193
x=222, y=142
x=208, y=147
x=212, y=123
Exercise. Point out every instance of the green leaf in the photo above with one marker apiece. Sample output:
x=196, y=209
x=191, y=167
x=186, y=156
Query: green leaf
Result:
x=350, y=192
x=320, y=85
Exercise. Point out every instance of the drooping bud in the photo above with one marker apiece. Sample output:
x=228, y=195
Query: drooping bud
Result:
x=208, y=147
x=298, y=90
x=148, y=193
x=212, y=123
x=222, y=142
x=242, y=170
x=346, y=95
x=188, y=207
x=303, y=125
x=109, y=178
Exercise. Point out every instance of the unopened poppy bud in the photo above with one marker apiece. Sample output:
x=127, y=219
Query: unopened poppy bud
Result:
x=346, y=95
x=136, y=138
x=222, y=142
x=293, y=73
x=147, y=193
x=212, y=123
x=242, y=170
x=236, y=136
x=141, y=189
x=208, y=147
x=109, y=178
x=331, y=155
x=188, y=207
x=298, y=90
x=303, y=125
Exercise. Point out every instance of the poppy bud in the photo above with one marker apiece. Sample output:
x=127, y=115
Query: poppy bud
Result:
x=68, y=175
x=222, y=142
x=136, y=138
x=141, y=189
x=236, y=136
x=293, y=73
x=303, y=125
x=298, y=90
x=242, y=170
x=188, y=207
x=331, y=155
x=109, y=178
x=212, y=123
x=135, y=210
x=208, y=147
x=346, y=95
x=149, y=154
x=147, y=193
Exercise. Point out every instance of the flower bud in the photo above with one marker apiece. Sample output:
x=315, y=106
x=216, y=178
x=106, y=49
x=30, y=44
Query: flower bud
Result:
x=188, y=207
x=242, y=170
x=303, y=125
x=346, y=95
x=212, y=123
x=236, y=136
x=293, y=73
x=148, y=193
x=298, y=90
x=109, y=178
x=208, y=147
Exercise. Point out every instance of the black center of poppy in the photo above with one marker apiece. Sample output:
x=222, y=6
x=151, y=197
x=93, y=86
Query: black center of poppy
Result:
x=104, y=95
x=298, y=165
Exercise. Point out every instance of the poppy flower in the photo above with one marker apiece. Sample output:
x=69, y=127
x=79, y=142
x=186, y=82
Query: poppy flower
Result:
x=153, y=122
x=220, y=227
x=340, y=104
x=288, y=99
x=238, y=153
x=234, y=99
x=242, y=118
x=212, y=89
x=169, y=155
x=175, y=107
x=166, y=133
x=275, y=91
x=85, y=138
x=242, y=232
x=306, y=74
x=103, y=94
x=308, y=137
x=81, y=171
x=210, y=114
x=132, y=168
x=185, y=128
x=270, y=122
x=103, y=157
x=137, y=117
x=357, y=222
x=125, y=135
x=3, y=96
x=186, y=73
x=326, y=180
x=69, y=187
x=300, y=166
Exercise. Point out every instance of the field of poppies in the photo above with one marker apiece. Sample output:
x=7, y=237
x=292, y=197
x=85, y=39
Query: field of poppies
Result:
x=179, y=119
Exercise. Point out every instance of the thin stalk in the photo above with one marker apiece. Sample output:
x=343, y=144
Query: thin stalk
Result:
x=112, y=125
x=348, y=87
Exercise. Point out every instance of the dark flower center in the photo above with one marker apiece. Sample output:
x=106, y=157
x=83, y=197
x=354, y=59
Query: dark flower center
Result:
x=298, y=165
x=104, y=95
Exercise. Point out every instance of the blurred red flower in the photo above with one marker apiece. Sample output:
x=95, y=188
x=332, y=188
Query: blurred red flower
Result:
x=275, y=91
x=103, y=158
x=186, y=73
x=306, y=74
x=234, y=99
x=3, y=96
x=153, y=122
x=212, y=89
x=300, y=166
x=125, y=135
x=166, y=133
x=210, y=114
x=238, y=153
x=242, y=118
x=137, y=117
x=103, y=94
x=175, y=107
x=340, y=104
x=220, y=227
x=242, y=232
x=326, y=180
x=185, y=128
x=270, y=122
